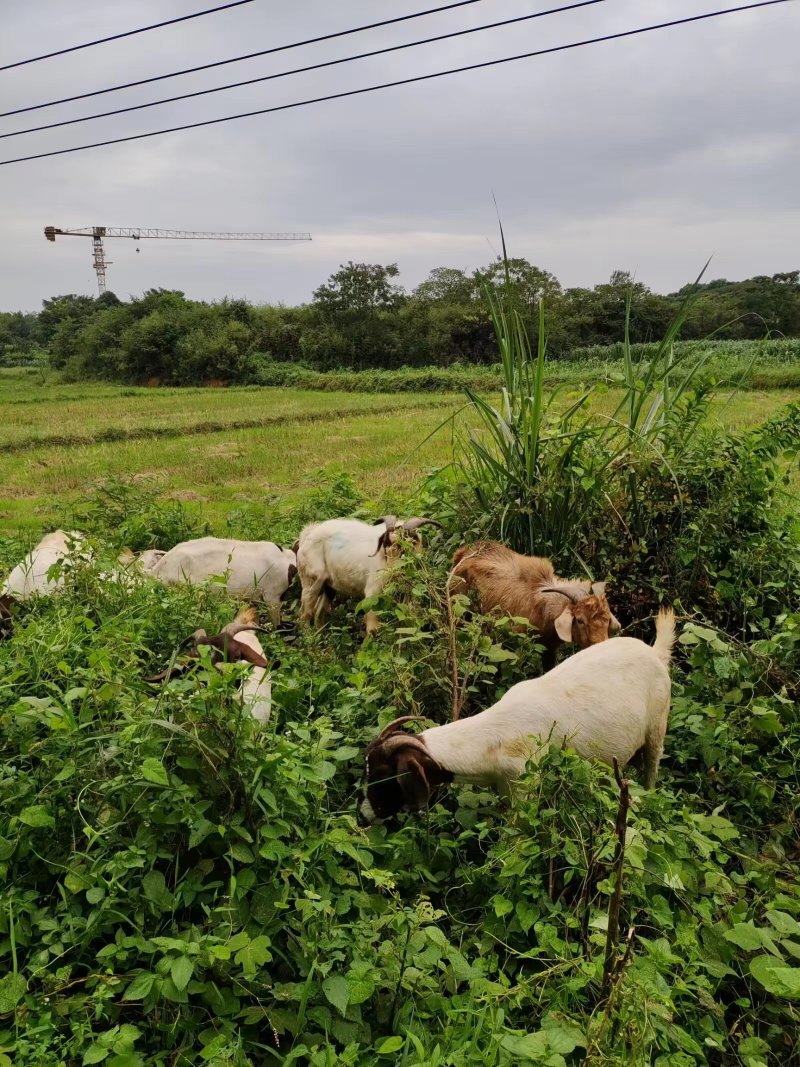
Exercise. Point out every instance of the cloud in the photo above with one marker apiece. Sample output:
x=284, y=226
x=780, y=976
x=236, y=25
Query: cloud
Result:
x=648, y=153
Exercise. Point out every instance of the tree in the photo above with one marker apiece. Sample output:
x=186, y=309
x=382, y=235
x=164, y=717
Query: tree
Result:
x=447, y=285
x=360, y=287
x=529, y=284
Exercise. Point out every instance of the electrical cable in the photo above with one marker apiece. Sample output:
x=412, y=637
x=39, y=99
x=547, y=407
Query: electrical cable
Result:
x=304, y=70
x=403, y=81
x=239, y=59
x=127, y=33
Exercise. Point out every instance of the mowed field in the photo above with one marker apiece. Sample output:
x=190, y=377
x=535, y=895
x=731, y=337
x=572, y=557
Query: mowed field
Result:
x=220, y=449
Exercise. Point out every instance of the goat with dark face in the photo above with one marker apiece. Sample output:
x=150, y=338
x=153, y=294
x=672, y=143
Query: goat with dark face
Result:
x=400, y=773
x=609, y=701
x=235, y=643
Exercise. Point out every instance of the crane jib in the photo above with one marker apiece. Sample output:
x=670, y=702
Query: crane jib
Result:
x=97, y=233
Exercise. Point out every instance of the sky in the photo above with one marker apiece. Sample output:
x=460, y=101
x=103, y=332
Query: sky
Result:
x=646, y=154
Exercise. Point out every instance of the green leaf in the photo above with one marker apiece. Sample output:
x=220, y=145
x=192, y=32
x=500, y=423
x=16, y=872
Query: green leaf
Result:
x=155, y=889
x=502, y=906
x=140, y=986
x=337, y=990
x=345, y=752
x=389, y=1044
x=181, y=971
x=782, y=922
x=498, y=654
x=746, y=936
x=153, y=770
x=528, y=1048
x=776, y=977
x=95, y=1054
x=76, y=882
x=6, y=848
x=361, y=982
x=254, y=955
x=12, y=989
x=66, y=772
x=564, y=1036
x=37, y=816
x=526, y=915
x=241, y=852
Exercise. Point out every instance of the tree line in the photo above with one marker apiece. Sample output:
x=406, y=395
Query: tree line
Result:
x=361, y=318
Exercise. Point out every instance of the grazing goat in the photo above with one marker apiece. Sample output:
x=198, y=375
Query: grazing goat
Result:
x=349, y=558
x=251, y=568
x=30, y=578
x=527, y=587
x=609, y=700
x=235, y=643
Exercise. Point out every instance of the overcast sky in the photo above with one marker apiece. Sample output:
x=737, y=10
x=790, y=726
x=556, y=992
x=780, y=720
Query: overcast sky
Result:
x=647, y=154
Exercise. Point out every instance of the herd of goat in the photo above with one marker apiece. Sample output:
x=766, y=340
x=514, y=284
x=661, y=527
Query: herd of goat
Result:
x=609, y=701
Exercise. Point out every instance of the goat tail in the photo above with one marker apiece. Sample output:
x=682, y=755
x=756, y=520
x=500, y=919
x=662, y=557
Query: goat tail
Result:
x=665, y=635
x=463, y=552
x=247, y=615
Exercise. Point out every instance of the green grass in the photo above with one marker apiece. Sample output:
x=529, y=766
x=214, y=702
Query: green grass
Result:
x=186, y=441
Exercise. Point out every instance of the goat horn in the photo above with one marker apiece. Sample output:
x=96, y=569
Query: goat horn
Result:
x=415, y=523
x=399, y=740
x=389, y=520
x=177, y=668
x=198, y=635
x=395, y=723
x=571, y=592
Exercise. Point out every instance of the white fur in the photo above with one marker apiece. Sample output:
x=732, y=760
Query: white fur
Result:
x=250, y=568
x=29, y=578
x=341, y=553
x=257, y=688
x=610, y=699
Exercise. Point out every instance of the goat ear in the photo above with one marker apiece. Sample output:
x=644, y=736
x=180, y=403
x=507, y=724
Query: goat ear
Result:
x=599, y=588
x=563, y=625
x=413, y=781
x=614, y=625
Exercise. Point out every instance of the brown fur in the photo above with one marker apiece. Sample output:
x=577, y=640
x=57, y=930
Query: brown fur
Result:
x=513, y=583
x=6, y=618
x=406, y=776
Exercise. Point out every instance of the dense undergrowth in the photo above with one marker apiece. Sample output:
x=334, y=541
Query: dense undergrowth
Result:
x=183, y=888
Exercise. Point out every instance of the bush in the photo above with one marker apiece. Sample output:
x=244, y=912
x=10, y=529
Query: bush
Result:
x=647, y=495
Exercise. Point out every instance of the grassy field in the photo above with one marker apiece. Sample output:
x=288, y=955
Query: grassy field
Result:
x=182, y=885
x=220, y=449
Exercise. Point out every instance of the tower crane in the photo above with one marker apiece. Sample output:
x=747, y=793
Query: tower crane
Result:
x=97, y=233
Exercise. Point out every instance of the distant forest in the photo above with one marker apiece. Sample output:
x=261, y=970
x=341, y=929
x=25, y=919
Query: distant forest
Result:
x=361, y=318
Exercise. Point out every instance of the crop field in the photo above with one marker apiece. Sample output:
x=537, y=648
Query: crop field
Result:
x=181, y=885
x=219, y=450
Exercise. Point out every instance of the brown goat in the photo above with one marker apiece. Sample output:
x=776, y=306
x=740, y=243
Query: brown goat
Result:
x=527, y=587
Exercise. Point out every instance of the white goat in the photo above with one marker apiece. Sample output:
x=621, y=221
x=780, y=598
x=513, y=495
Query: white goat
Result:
x=350, y=558
x=611, y=699
x=30, y=577
x=250, y=568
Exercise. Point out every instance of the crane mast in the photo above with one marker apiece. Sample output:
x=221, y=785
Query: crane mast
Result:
x=138, y=233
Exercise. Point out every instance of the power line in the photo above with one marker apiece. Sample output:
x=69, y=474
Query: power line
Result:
x=304, y=70
x=127, y=33
x=402, y=81
x=249, y=55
